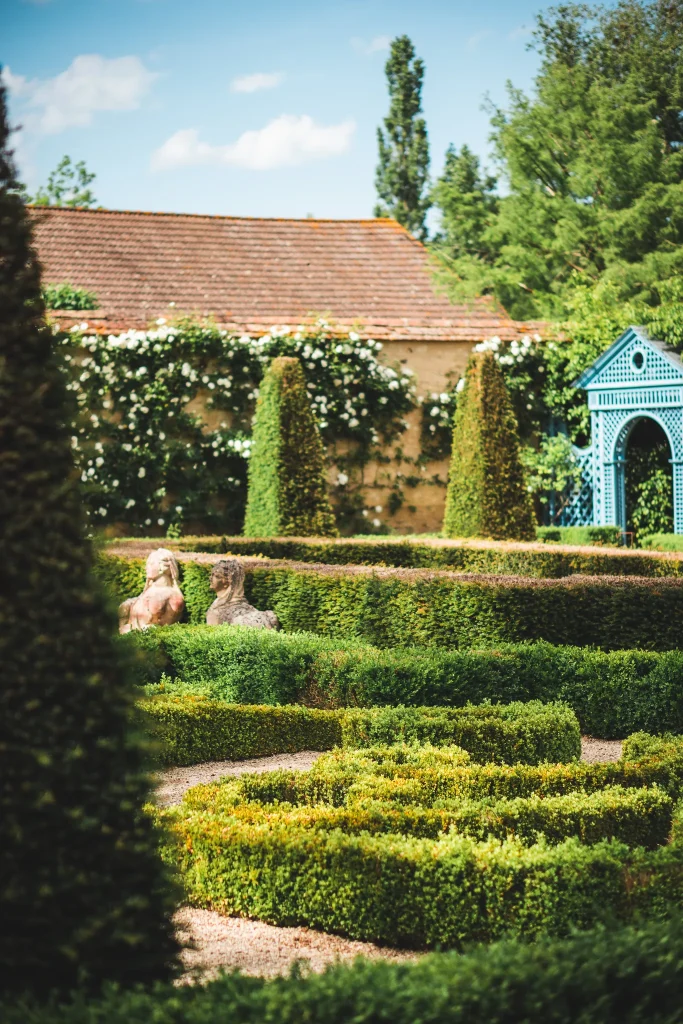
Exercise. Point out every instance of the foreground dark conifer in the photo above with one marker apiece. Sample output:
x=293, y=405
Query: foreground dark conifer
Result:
x=82, y=892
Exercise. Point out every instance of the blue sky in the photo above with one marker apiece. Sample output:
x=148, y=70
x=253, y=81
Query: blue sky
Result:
x=254, y=108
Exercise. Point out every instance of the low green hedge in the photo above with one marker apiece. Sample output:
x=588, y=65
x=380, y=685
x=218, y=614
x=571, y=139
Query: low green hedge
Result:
x=637, y=817
x=418, y=893
x=190, y=729
x=607, y=976
x=662, y=542
x=508, y=734
x=600, y=535
x=336, y=779
x=399, y=607
x=357, y=845
x=612, y=693
x=466, y=556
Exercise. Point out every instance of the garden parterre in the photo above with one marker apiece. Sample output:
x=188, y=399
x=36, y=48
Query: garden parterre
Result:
x=419, y=846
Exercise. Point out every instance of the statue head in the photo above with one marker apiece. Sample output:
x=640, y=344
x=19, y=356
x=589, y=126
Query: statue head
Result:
x=228, y=575
x=160, y=563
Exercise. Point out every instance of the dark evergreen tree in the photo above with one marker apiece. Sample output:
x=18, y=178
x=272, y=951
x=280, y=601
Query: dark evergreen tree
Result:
x=402, y=173
x=287, y=486
x=593, y=162
x=83, y=895
x=467, y=202
x=487, y=494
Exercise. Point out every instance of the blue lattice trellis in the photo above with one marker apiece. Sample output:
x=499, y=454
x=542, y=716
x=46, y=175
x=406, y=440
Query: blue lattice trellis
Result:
x=637, y=377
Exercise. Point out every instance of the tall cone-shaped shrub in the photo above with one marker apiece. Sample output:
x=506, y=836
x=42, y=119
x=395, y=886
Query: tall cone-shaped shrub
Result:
x=83, y=894
x=287, y=494
x=487, y=495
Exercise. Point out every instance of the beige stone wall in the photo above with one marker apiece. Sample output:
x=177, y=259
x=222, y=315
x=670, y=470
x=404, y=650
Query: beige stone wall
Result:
x=436, y=364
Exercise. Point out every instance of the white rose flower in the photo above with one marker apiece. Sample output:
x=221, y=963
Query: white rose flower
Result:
x=142, y=472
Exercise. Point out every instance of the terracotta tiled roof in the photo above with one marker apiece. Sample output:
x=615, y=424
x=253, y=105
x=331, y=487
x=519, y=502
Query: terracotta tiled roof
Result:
x=251, y=273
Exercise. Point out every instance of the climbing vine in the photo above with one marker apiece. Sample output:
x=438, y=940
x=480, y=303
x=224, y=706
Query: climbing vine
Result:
x=162, y=419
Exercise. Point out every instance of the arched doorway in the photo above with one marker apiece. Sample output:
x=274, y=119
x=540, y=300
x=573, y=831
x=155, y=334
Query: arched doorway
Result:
x=644, y=477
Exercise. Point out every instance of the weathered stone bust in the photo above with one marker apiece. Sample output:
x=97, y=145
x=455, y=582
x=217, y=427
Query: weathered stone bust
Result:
x=161, y=603
x=231, y=606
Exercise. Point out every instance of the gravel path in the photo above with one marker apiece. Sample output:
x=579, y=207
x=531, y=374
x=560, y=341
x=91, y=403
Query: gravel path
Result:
x=174, y=782
x=593, y=750
x=264, y=949
x=257, y=948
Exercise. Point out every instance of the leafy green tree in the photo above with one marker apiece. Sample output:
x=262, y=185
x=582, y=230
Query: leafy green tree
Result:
x=593, y=161
x=67, y=185
x=467, y=203
x=287, y=487
x=487, y=494
x=552, y=468
x=402, y=174
x=82, y=890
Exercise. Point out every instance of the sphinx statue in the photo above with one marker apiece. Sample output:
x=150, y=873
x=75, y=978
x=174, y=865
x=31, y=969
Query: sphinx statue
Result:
x=161, y=603
x=231, y=606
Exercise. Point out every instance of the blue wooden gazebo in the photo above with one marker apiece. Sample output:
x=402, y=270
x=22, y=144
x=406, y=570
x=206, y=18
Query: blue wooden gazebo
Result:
x=637, y=377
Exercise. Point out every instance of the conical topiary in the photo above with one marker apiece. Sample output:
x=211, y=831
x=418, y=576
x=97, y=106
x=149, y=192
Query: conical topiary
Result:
x=83, y=895
x=487, y=495
x=287, y=489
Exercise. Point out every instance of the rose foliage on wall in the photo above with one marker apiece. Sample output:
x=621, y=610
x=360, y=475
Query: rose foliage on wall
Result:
x=162, y=418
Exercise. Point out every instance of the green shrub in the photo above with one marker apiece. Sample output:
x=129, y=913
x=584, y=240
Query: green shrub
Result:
x=418, y=846
x=462, y=556
x=83, y=893
x=65, y=296
x=637, y=817
x=612, y=693
x=287, y=486
x=396, y=608
x=606, y=976
x=334, y=779
x=506, y=734
x=418, y=893
x=190, y=729
x=662, y=542
x=487, y=495
x=607, y=535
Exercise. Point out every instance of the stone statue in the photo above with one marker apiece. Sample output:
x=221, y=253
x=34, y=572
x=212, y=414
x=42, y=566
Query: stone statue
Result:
x=231, y=606
x=161, y=603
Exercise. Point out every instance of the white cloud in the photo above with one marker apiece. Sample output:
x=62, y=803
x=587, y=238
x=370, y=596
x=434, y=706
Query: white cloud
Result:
x=478, y=37
x=286, y=141
x=375, y=45
x=252, y=83
x=91, y=83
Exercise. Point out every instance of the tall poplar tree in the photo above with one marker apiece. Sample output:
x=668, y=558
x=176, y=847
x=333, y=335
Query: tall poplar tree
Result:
x=83, y=896
x=402, y=175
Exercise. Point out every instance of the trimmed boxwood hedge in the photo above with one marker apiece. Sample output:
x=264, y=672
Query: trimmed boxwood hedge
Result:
x=360, y=866
x=606, y=976
x=396, y=607
x=336, y=775
x=637, y=817
x=612, y=693
x=190, y=729
x=465, y=556
x=419, y=893
x=266, y=846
